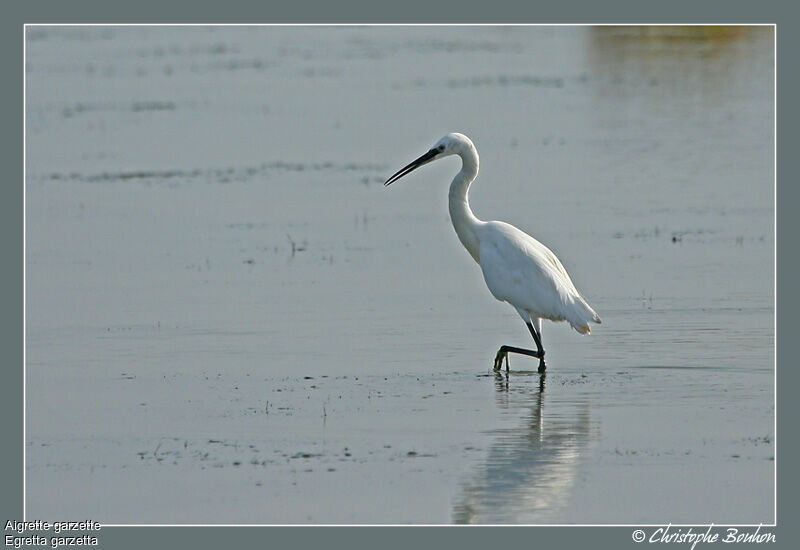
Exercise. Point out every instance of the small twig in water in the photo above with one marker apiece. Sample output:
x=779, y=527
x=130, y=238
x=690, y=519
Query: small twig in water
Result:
x=291, y=242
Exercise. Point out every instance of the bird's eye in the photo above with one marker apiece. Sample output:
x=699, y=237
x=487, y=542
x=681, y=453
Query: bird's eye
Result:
x=441, y=148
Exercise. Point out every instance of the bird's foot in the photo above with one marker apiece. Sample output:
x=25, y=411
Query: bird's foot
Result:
x=498, y=360
x=542, y=366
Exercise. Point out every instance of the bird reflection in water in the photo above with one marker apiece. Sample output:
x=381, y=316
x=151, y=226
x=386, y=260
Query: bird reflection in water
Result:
x=530, y=469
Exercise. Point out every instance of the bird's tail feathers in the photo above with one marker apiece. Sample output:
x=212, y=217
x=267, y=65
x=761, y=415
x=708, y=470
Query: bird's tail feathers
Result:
x=584, y=314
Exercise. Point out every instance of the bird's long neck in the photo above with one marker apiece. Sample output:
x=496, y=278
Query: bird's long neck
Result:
x=464, y=221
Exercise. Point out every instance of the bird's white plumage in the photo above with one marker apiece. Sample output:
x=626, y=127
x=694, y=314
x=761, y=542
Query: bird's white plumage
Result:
x=520, y=270
x=517, y=268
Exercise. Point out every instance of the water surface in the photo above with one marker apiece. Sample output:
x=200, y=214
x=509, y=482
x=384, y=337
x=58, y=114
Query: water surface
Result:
x=230, y=320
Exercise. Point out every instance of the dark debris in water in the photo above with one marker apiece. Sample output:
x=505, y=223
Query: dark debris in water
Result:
x=456, y=46
x=139, y=106
x=695, y=235
x=305, y=455
x=219, y=175
x=764, y=440
x=503, y=80
x=506, y=80
x=142, y=106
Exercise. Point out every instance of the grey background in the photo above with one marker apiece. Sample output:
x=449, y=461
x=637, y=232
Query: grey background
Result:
x=96, y=11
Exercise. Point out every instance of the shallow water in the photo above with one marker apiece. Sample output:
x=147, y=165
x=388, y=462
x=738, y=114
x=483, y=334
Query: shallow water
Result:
x=229, y=319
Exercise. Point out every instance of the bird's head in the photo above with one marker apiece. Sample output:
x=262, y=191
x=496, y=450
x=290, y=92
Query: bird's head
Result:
x=451, y=144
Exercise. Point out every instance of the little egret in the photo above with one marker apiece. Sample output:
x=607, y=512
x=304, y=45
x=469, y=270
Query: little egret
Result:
x=517, y=268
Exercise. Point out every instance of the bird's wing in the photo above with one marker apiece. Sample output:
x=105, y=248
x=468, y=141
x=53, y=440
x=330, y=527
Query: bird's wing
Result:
x=522, y=271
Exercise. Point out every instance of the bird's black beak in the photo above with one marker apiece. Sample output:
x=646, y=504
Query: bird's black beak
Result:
x=424, y=159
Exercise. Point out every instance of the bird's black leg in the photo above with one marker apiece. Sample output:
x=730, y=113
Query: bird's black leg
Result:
x=538, y=340
x=503, y=352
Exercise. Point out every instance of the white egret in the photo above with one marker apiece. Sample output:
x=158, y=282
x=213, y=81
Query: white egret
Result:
x=517, y=268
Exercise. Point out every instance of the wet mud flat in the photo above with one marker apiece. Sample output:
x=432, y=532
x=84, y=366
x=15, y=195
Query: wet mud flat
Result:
x=455, y=447
x=230, y=320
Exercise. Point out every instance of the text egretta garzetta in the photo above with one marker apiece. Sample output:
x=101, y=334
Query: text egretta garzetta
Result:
x=517, y=268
